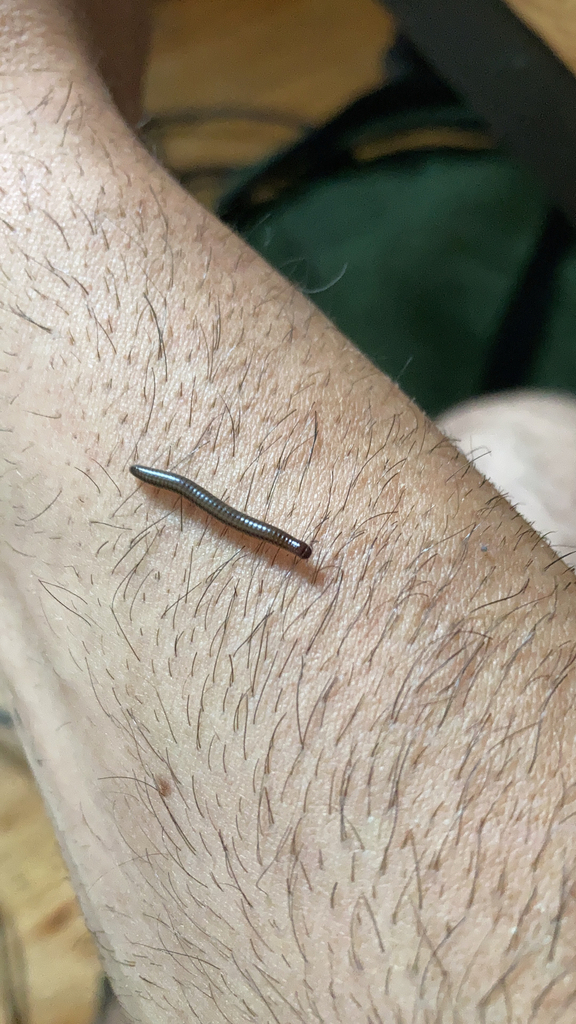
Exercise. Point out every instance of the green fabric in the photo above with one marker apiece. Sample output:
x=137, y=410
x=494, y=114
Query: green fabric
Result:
x=415, y=258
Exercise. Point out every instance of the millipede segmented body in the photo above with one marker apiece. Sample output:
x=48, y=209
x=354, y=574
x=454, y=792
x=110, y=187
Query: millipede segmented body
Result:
x=220, y=510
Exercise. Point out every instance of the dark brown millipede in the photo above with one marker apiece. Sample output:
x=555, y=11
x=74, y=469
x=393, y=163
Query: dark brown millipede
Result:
x=220, y=510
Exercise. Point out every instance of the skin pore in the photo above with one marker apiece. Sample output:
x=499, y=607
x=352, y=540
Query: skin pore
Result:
x=333, y=790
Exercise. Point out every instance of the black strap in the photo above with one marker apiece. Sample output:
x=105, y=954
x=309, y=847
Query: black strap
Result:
x=524, y=325
x=413, y=88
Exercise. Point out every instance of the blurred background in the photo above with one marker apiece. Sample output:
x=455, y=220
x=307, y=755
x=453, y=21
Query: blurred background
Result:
x=230, y=82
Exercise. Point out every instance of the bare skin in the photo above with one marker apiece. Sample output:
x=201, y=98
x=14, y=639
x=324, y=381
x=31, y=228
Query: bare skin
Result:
x=525, y=442
x=338, y=790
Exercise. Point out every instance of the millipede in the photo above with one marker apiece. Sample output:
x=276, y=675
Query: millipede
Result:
x=220, y=510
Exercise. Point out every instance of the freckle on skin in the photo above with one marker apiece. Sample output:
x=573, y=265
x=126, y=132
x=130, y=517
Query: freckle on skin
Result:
x=163, y=786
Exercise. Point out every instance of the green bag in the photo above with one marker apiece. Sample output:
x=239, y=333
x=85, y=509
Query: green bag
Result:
x=436, y=254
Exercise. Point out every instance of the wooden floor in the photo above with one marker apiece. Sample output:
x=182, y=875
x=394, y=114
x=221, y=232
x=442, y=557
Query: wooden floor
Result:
x=299, y=61
x=302, y=57
x=252, y=73
x=50, y=970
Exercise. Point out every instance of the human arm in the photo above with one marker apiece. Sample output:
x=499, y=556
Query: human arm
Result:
x=286, y=791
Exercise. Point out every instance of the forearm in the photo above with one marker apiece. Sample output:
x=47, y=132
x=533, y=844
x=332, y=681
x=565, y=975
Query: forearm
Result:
x=337, y=788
